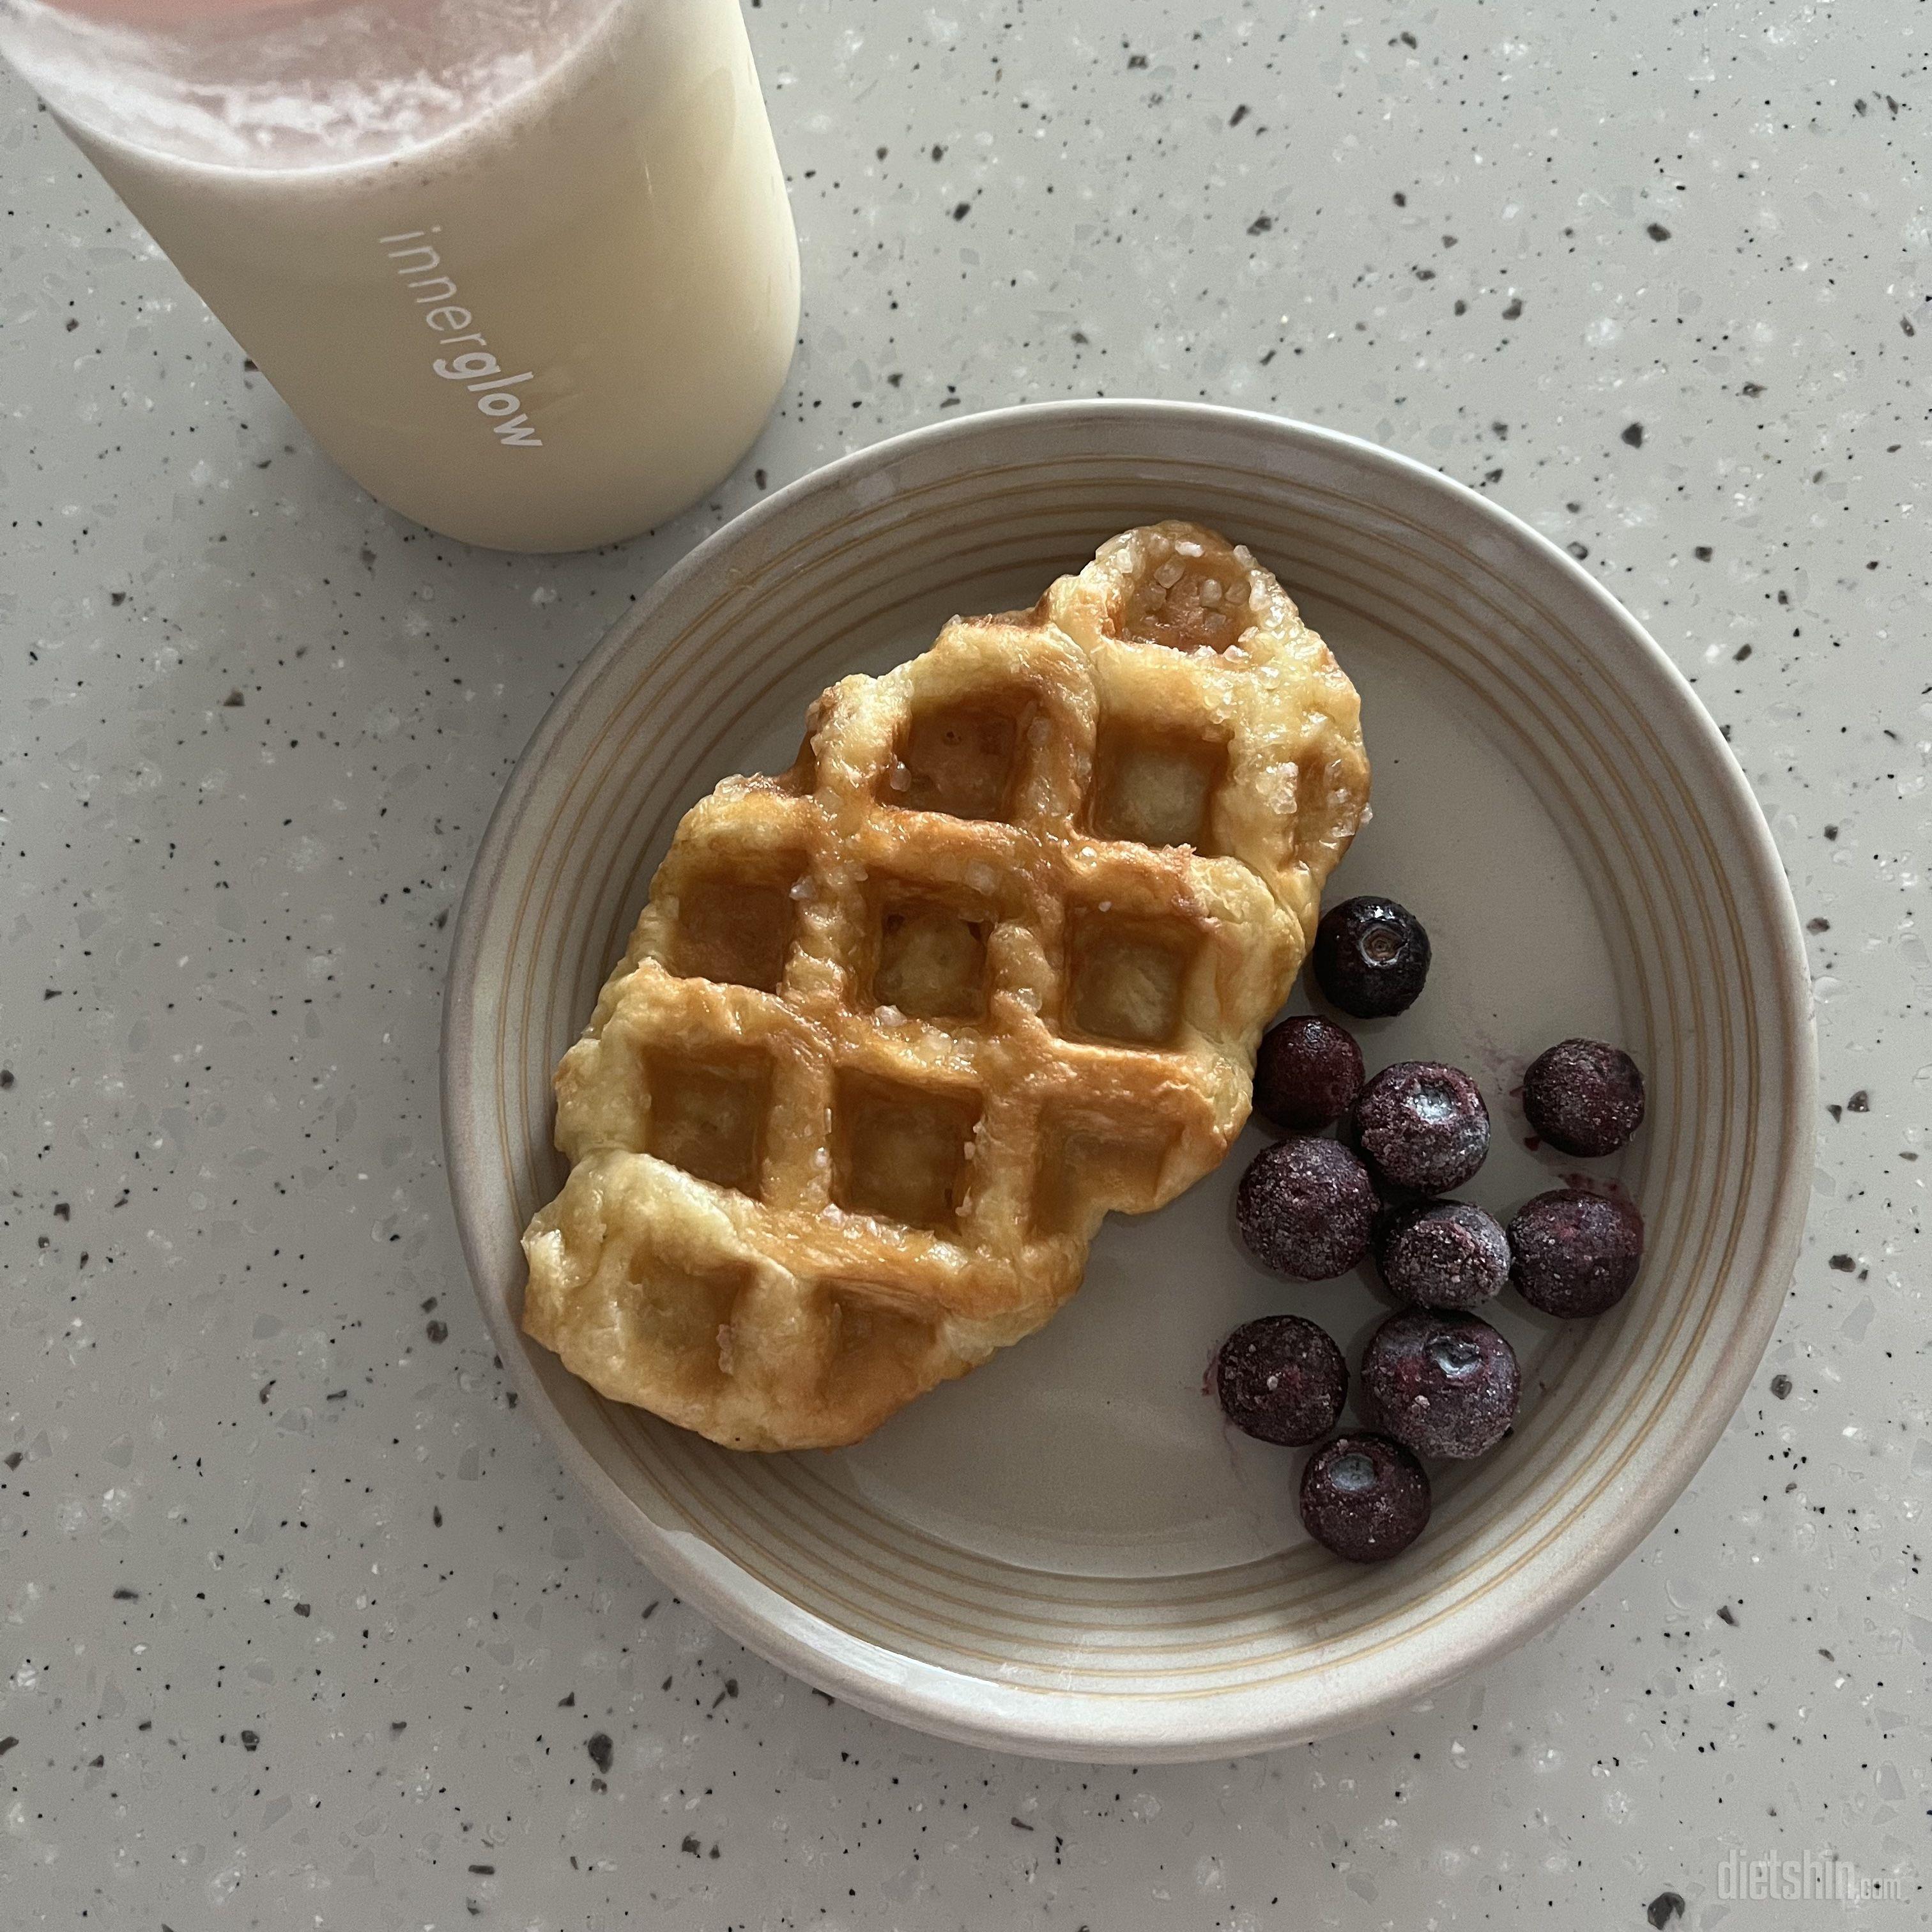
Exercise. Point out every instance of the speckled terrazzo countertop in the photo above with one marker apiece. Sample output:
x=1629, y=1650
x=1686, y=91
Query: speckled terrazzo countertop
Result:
x=303, y=1625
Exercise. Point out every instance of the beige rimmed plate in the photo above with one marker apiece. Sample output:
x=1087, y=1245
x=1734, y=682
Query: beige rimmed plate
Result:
x=1066, y=1553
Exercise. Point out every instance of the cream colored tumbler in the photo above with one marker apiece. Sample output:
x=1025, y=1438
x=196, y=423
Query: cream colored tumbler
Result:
x=526, y=268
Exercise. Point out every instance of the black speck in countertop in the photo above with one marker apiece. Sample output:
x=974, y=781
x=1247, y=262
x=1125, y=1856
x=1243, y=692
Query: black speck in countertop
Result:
x=125, y=1595
x=1859, y=1103
x=564, y=1702
x=598, y=1746
x=1844, y=1263
x=1240, y=115
x=251, y=1740
x=437, y=1331
x=1633, y=434
x=7, y=1744
x=6, y=1078
x=1730, y=1615
x=1260, y=224
x=1663, y=1908
x=1780, y=1386
x=15, y=1457
x=1657, y=231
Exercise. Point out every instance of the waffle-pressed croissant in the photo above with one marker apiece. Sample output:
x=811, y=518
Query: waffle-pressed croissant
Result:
x=898, y=1028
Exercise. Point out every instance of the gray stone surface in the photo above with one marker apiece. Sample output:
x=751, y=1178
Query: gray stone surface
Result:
x=302, y=1625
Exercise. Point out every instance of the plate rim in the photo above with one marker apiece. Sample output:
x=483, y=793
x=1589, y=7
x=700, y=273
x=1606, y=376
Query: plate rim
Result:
x=981, y=1710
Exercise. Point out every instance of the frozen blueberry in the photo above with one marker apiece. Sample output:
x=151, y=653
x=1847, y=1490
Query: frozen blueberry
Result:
x=1281, y=1378
x=1440, y=1381
x=1574, y=1253
x=1584, y=1096
x=1305, y=1208
x=1421, y=1127
x=1364, y=1497
x=1445, y=1254
x=1371, y=956
x=1306, y=1073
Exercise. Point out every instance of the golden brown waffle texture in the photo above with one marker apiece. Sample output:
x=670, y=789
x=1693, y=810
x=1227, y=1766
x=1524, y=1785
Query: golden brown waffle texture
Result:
x=897, y=1028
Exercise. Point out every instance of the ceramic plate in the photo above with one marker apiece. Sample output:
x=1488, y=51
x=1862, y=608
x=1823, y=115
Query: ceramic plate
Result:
x=1066, y=1552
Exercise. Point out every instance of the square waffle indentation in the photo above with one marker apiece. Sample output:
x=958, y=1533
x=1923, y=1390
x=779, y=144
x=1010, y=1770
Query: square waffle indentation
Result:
x=1155, y=786
x=736, y=929
x=708, y=1116
x=899, y=1151
x=673, y=1312
x=1189, y=603
x=1088, y=1164
x=1125, y=975
x=930, y=956
x=870, y=1334
x=961, y=759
